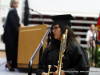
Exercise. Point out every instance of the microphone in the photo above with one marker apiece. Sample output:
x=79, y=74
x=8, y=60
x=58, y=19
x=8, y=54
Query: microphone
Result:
x=41, y=16
x=29, y=8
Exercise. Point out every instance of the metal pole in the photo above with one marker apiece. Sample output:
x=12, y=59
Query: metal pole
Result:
x=36, y=51
x=30, y=67
x=92, y=54
x=96, y=51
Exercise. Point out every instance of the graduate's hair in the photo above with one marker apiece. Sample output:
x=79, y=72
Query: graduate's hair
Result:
x=70, y=37
x=11, y=3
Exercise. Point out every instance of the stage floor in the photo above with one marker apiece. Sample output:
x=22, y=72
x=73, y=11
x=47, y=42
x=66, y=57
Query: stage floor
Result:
x=3, y=71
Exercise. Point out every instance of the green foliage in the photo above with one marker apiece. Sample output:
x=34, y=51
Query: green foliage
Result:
x=98, y=57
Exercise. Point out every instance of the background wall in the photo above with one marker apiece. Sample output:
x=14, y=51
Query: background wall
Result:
x=81, y=8
x=76, y=7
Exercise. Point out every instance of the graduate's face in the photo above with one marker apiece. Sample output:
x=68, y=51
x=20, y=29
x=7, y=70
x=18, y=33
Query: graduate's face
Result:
x=56, y=32
x=15, y=4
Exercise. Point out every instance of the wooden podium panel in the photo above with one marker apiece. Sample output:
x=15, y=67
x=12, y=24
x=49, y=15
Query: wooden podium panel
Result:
x=29, y=39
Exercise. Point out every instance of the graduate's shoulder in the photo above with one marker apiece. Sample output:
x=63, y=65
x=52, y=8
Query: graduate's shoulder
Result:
x=75, y=47
x=46, y=49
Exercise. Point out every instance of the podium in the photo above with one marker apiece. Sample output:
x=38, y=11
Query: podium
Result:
x=29, y=39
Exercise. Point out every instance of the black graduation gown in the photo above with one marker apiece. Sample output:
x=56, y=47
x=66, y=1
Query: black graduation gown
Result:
x=75, y=59
x=11, y=35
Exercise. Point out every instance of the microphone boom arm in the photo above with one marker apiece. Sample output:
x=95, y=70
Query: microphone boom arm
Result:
x=41, y=16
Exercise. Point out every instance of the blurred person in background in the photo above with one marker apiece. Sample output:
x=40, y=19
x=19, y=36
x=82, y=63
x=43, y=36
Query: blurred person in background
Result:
x=11, y=30
x=91, y=42
x=91, y=36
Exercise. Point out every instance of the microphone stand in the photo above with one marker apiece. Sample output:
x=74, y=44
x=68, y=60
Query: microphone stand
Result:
x=41, y=22
x=92, y=48
x=41, y=16
x=96, y=50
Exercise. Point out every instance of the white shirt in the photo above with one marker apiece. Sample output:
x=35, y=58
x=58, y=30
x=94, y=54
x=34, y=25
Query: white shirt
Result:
x=89, y=36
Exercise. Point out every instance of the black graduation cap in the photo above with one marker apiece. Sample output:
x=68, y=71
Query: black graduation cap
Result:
x=62, y=19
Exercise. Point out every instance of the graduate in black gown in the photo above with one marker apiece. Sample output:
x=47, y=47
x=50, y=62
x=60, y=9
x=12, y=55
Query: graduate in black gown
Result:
x=11, y=28
x=75, y=60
